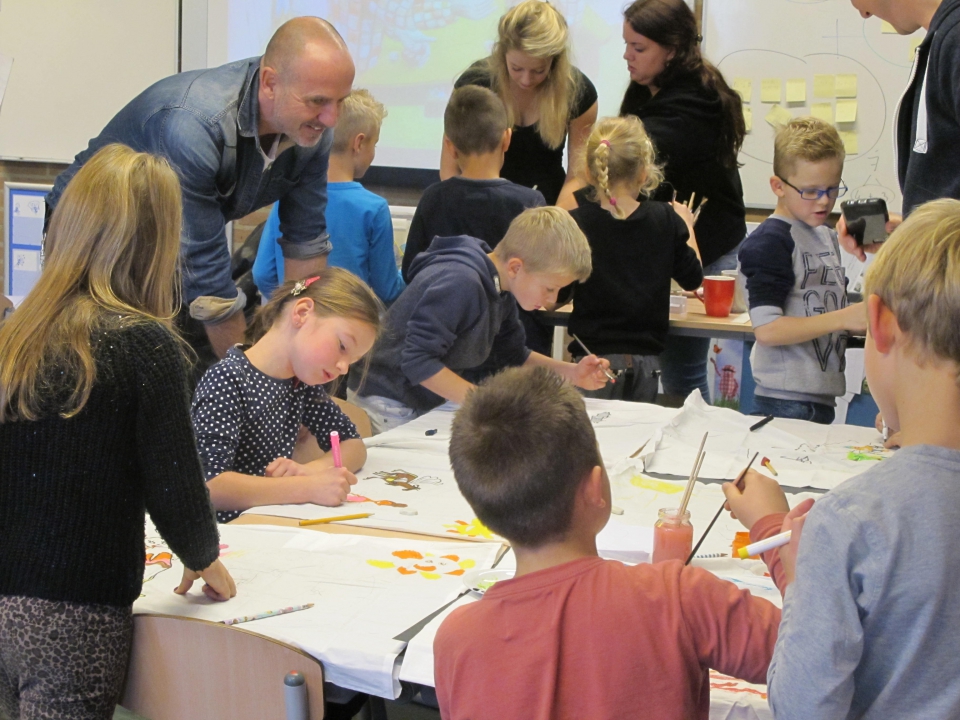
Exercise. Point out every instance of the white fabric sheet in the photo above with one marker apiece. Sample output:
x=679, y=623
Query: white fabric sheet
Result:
x=364, y=594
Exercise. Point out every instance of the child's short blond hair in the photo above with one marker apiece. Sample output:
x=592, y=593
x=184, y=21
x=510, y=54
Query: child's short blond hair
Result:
x=805, y=138
x=360, y=113
x=548, y=241
x=917, y=275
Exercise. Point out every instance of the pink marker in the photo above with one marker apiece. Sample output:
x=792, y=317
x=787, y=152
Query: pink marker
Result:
x=335, y=449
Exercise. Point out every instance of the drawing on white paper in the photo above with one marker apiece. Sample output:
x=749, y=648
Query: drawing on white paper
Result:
x=405, y=480
x=599, y=417
x=427, y=565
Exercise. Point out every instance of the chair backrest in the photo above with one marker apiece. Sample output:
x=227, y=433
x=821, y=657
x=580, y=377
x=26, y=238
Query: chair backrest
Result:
x=358, y=416
x=182, y=668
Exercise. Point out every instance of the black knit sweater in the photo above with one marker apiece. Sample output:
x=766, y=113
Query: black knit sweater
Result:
x=73, y=491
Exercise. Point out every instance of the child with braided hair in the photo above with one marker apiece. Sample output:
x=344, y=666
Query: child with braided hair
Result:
x=622, y=311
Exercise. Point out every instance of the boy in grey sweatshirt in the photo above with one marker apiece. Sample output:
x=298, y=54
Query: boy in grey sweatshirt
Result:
x=795, y=283
x=870, y=623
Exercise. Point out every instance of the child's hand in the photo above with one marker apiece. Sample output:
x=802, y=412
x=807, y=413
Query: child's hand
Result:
x=855, y=318
x=761, y=496
x=331, y=486
x=685, y=213
x=892, y=440
x=794, y=523
x=218, y=585
x=285, y=467
x=589, y=372
x=849, y=243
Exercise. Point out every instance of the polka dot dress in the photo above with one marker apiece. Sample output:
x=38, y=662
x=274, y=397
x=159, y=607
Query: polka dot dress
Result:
x=244, y=420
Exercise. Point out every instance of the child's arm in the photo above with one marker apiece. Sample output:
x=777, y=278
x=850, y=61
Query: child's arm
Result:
x=588, y=373
x=236, y=491
x=786, y=330
x=448, y=385
x=684, y=213
x=353, y=454
x=687, y=269
x=385, y=279
x=821, y=639
x=417, y=241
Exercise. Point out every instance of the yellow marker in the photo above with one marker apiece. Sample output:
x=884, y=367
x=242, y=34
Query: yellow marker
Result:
x=769, y=466
x=338, y=518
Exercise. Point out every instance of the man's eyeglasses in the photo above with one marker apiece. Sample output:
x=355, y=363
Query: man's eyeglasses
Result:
x=814, y=194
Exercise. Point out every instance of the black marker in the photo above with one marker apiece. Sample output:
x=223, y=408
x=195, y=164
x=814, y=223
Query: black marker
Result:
x=758, y=425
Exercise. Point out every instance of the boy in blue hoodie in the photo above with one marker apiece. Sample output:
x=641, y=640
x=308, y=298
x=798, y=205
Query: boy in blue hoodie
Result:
x=459, y=311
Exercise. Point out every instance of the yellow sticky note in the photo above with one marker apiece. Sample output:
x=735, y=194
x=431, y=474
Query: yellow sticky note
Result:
x=770, y=90
x=822, y=111
x=846, y=111
x=915, y=41
x=778, y=115
x=846, y=86
x=823, y=86
x=850, y=142
x=748, y=118
x=796, y=90
x=887, y=29
x=744, y=86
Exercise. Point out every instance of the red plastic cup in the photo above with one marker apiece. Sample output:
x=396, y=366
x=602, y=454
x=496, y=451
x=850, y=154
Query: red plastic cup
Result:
x=718, y=294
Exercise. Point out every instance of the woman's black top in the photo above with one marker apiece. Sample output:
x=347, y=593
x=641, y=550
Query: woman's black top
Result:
x=529, y=161
x=683, y=120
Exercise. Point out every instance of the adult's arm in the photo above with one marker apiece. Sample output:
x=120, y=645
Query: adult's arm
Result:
x=304, y=239
x=577, y=133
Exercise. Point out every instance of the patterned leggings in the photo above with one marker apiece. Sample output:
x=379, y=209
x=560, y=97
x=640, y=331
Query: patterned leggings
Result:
x=61, y=660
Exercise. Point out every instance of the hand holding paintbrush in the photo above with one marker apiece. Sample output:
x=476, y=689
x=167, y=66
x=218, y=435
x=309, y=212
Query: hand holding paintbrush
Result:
x=736, y=484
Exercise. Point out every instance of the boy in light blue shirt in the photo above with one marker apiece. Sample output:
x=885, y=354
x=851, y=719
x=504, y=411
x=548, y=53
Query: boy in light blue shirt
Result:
x=358, y=220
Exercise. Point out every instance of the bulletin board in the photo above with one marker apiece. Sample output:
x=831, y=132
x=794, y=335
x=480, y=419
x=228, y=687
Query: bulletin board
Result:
x=789, y=58
x=23, y=211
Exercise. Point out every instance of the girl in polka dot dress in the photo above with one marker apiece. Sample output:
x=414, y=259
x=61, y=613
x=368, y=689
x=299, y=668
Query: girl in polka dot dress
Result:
x=249, y=407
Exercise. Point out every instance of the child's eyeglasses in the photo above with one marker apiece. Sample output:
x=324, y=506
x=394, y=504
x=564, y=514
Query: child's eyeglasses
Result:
x=814, y=194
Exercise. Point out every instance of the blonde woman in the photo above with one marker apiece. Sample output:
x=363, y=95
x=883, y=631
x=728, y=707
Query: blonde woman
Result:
x=94, y=430
x=550, y=103
x=623, y=308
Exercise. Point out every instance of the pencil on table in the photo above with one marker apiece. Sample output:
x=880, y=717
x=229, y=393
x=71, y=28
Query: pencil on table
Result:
x=338, y=518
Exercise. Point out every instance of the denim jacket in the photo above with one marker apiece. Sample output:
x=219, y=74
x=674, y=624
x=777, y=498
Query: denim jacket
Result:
x=205, y=123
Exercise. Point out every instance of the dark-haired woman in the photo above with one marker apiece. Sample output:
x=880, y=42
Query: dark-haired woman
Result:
x=696, y=122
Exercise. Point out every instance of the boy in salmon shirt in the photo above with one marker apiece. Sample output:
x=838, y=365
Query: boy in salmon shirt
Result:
x=573, y=635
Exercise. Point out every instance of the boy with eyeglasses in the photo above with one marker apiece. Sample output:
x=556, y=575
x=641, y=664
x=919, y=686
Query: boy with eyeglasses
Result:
x=795, y=282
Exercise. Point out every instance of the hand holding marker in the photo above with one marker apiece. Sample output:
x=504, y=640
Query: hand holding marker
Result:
x=335, y=449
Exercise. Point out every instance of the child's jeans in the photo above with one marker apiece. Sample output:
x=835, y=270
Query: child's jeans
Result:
x=385, y=413
x=638, y=379
x=794, y=409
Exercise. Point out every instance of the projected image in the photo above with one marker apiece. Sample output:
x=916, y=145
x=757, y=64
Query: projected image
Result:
x=409, y=52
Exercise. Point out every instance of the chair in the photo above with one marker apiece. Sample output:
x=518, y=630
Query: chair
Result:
x=358, y=416
x=185, y=669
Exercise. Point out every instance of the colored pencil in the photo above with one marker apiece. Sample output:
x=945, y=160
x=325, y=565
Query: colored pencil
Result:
x=268, y=613
x=338, y=518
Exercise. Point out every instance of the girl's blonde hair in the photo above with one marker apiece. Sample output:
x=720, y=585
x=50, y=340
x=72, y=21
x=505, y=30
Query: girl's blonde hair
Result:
x=111, y=259
x=619, y=150
x=537, y=29
x=335, y=293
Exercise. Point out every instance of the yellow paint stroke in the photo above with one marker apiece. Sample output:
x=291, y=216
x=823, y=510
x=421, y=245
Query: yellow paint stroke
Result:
x=382, y=564
x=659, y=486
x=474, y=528
x=430, y=575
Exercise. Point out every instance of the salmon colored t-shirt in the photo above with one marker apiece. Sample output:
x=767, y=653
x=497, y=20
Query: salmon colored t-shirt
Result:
x=594, y=639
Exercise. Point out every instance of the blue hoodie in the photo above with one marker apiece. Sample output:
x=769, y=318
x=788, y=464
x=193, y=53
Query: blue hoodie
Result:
x=452, y=314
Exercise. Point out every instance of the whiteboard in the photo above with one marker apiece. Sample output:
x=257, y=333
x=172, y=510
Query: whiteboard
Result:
x=792, y=39
x=75, y=64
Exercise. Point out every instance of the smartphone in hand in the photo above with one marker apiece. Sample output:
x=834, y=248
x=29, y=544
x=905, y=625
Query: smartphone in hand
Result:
x=866, y=219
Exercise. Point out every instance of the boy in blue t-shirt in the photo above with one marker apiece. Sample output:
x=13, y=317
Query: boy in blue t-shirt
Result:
x=796, y=284
x=358, y=220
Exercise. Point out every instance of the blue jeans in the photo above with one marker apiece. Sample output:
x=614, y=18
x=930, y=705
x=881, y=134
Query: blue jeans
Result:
x=794, y=409
x=683, y=361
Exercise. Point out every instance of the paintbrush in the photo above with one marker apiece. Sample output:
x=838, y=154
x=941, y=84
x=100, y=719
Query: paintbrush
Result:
x=696, y=214
x=694, y=473
x=717, y=516
x=610, y=375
